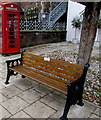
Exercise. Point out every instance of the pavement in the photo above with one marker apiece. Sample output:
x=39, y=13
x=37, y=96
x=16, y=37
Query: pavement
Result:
x=24, y=98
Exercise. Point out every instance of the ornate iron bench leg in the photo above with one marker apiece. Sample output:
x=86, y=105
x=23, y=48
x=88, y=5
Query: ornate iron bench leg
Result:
x=80, y=102
x=67, y=107
x=66, y=110
x=8, y=76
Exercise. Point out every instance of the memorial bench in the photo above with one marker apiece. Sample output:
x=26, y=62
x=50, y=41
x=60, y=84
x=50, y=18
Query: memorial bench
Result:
x=61, y=76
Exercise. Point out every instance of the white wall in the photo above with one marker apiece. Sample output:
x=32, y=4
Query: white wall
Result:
x=98, y=38
x=73, y=11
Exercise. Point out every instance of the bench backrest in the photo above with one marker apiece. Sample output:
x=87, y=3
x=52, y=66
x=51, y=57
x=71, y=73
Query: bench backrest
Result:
x=55, y=68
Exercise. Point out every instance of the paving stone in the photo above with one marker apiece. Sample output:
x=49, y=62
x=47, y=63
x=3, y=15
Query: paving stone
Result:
x=60, y=94
x=42, y=89
x=39, y=110
x=0, y=91
x=14, y=104
x=94, y=116
x=4, y=113
x=11, y=91
x=11, y=57
x=81, y=112
x=23, y=84
x=57, y=114
x=54, y=101
x=30, y=95
x=34, y=82
x=4, y=67
x=20, y=114
x=1, y=59
x=0, y=112
x=2, y=84
x=2, y=98
x=97, y=112
x=19, y=76
x=76, y=114
x=3, y=74
x=12, y=79
x=0, y=67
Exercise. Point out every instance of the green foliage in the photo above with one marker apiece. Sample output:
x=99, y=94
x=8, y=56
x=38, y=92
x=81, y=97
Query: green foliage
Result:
x=76, y=23
x=96, y=58
x=31, y=14
x=99, y=23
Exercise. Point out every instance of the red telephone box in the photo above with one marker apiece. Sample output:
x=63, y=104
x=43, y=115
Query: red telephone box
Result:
x=9, y=28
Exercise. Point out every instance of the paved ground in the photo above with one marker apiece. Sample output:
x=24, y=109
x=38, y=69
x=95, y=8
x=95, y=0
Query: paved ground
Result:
x=24, y=98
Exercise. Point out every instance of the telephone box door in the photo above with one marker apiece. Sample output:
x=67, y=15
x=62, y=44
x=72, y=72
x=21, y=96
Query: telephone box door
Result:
x=0, y=31
x=12, y=30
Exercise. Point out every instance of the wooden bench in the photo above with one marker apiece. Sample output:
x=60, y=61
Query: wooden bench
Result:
x=62, y=76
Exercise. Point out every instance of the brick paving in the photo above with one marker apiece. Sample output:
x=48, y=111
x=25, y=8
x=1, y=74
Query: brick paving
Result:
x=24, y=98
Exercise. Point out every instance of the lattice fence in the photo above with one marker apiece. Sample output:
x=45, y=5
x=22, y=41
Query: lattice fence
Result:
x=34, y=25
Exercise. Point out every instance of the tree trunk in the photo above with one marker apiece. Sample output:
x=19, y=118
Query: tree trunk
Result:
x=99, y=51
x=88, y=33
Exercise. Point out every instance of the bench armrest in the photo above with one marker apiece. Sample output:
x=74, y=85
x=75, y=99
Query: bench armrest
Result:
x=14, y=62
x=81, y=80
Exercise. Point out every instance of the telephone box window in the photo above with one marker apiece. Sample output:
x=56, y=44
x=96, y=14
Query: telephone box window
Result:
x=9, y=8
x=11, y=42
x=12, y=33
x=13, y=29
x=12, y=37
x=12, y=46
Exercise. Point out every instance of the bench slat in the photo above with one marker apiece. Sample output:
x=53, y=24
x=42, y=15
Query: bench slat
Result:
x=23, y=69
x=66, y=68
x=58, y=61
x=59, y=86
x=48, y=71
x=52, y=68
x=52, y=77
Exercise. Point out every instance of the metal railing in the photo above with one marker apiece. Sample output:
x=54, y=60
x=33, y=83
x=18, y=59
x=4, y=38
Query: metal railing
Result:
x=57, y=12
x=38, y=26
x=54, y=15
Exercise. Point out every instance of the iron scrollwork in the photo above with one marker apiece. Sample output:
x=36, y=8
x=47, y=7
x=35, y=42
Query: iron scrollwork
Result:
x=12, y=63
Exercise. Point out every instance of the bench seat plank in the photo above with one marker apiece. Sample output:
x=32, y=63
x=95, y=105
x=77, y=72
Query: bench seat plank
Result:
x=37, y=76
x=51, y=72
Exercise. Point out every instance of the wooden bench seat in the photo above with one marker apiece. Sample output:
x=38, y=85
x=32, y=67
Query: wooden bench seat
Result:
x=59, y=75
x=41, y=78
